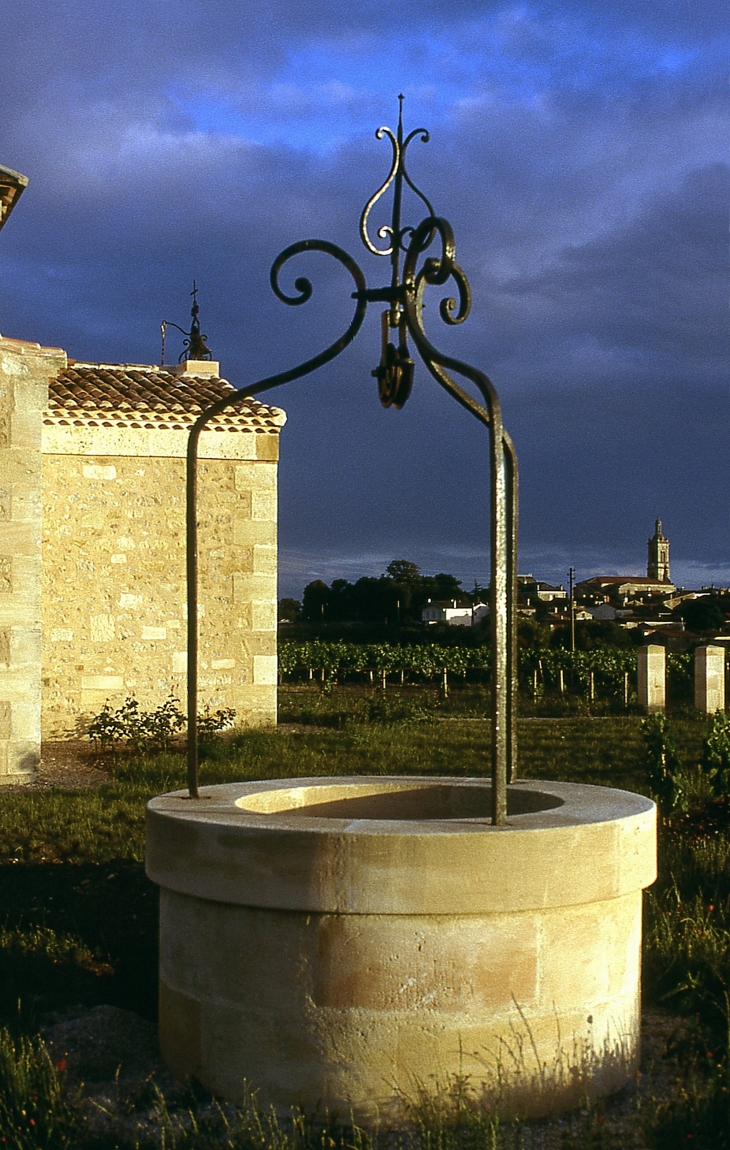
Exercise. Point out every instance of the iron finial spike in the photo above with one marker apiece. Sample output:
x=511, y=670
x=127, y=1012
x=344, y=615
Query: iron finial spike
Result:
x=397, y=176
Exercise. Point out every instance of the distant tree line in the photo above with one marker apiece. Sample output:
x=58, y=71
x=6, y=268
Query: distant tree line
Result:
x=396, y=597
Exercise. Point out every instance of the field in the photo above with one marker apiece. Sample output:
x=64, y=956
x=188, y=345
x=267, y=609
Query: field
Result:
x=79, y=917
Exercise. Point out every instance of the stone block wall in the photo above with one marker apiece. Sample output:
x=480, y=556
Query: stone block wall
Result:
x=25, y=371
x=114, y=617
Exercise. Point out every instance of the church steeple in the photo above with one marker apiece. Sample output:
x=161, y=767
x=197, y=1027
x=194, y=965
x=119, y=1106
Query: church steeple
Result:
x=657, y=566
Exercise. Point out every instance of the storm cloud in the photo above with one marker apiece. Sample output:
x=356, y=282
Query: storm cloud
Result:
x=577, y=150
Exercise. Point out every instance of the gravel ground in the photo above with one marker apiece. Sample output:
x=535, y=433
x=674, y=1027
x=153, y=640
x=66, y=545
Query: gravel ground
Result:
x=111, y=1060
x=69, y=765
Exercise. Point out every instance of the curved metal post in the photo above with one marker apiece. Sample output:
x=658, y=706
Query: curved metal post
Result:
x=395, y=374
x=304, y=289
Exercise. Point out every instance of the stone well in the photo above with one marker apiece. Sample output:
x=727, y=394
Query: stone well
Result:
x=343, y=943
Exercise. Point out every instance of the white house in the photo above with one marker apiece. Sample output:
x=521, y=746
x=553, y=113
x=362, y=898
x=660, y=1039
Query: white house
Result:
x=448, y=611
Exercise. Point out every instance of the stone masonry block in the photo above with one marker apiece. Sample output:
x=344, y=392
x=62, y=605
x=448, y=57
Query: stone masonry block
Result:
x=25, y=430
x=264, y=669
x=263, y=615
x=246, y=587
x=250, y=531
x=267, y=447
x=6, y=574
x=26, y=504
x=25, y=646
x=99, y=471
x=264, y=559
x=22, y=538
x=5, y=646
x=249, y=476
x=30, y=396
x=259, y=643
x=27, y=576
x=102, y=683
x=26, y=722
x=23, y=757
x=264, y=504
x=243, y=505
x=102, y=628
x=5, y=719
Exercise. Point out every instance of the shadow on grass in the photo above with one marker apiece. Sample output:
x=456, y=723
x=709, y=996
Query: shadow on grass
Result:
x=76, y=933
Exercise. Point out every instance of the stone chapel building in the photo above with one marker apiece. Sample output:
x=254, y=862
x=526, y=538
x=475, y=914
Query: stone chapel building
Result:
x=92, y=540
x=92, y=547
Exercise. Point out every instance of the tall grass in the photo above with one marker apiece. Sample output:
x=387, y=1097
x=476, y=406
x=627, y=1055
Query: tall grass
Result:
x=79, y=918
x=35, y=1111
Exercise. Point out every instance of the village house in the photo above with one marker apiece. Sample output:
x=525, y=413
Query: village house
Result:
x=451, y=612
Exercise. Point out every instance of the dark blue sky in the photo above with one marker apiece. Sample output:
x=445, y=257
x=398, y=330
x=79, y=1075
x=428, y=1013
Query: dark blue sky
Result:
x=578, y=149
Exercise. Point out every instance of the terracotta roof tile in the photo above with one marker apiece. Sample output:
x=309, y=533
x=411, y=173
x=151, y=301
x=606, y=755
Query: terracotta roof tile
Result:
x=107, y=395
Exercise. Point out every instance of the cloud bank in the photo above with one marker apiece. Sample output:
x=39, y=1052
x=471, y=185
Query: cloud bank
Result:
x=577, y=150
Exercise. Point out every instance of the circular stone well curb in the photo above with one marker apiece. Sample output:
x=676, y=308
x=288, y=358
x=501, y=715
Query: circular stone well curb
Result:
x=345, y=943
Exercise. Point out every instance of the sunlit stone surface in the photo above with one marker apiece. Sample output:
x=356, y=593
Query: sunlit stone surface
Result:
x=337, y=942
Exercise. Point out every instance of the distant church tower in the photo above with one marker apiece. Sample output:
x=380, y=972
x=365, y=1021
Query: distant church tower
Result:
x=657, y=566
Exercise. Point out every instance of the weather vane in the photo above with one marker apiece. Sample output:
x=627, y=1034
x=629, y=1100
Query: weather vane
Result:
x=194, y=344
x=412, y=272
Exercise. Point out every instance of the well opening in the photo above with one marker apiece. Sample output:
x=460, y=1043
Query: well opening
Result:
x=384, y=801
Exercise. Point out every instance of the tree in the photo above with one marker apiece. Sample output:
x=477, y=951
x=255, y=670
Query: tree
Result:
x=315, y=601
x=703, y=614
x=290, y=610
x=401, y=571
x=442, y=586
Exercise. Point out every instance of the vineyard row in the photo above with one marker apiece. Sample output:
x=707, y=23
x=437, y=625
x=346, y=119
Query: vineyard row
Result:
x=340, y=662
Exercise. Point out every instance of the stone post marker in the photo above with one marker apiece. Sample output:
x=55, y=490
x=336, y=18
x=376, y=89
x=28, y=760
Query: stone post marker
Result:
x=652, y=680
x=710, y=679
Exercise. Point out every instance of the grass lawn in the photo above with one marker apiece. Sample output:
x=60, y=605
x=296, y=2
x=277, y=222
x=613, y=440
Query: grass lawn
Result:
x=79, y=918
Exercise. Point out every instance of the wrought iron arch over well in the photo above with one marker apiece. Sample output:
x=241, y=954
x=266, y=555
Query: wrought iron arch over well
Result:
x=402, y=318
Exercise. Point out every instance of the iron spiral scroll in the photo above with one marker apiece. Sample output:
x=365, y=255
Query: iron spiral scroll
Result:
x=412, y=272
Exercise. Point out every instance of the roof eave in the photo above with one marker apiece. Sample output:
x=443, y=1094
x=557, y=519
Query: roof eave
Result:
x=12, y=186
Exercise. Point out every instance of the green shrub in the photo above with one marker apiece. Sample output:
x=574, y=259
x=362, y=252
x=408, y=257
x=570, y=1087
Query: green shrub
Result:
x=716, y=753
x=153, y=730
x=141, y=730
x=210, y=723
x=664, y=769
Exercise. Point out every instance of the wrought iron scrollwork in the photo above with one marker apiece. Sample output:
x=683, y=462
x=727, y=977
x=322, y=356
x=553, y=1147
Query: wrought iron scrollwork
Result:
x=402, y=319
x=194, y=344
